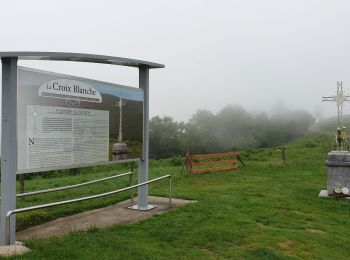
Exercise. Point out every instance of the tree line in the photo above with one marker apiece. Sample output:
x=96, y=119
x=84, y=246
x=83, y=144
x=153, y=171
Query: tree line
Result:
x=232, y=127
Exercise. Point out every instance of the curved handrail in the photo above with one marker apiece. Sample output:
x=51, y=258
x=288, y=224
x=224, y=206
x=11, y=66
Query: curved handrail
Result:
x=72, y=186
x=9, y=213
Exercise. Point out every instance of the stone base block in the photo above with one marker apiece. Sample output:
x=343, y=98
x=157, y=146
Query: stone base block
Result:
x=338, y=163
x=13, y=250
x=120, y=151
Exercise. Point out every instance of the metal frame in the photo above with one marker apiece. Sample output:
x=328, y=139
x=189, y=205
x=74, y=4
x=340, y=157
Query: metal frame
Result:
x=11, y=212
x=79, y=165
x=9, y=123
x=9, y=144
x=80, y=57
x=143, y=163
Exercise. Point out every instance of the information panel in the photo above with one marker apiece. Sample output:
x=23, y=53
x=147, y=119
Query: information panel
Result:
x=66, y=121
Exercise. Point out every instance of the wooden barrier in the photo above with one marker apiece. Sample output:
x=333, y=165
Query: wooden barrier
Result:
x=224, y=158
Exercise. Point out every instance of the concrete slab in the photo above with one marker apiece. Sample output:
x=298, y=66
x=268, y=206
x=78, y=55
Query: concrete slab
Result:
x=99, y=218
x=324, y=194
x=13, y=250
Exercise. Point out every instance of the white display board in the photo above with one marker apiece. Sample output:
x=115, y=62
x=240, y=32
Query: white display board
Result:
x=66, y=121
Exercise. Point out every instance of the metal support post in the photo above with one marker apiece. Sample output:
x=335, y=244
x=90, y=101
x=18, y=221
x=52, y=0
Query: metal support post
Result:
x=131, y=181
x=142, y=202
x=8, y=147
x=170, y=198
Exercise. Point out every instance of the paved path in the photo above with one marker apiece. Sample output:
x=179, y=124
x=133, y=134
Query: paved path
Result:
x=99, y=218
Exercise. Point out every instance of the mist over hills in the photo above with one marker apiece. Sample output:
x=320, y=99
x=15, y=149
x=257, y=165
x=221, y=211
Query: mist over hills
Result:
x=232, y=127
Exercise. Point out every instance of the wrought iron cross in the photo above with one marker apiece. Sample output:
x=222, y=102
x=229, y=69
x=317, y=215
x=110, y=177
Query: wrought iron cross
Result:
x=120, y=104
x=340, y=98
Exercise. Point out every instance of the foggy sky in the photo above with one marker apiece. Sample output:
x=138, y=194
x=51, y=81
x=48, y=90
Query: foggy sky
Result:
x=259, y=54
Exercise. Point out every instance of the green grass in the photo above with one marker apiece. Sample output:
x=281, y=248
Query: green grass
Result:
x=266, y=210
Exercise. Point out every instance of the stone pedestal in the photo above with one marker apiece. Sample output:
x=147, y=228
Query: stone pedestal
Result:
x=338, y=163
x=120, y=151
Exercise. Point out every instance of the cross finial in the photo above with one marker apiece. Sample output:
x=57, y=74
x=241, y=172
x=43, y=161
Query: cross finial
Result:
x=340, y=98
x=340, y=85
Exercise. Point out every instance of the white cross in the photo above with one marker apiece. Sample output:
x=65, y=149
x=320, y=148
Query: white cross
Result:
x=340, y=98
x=120, y=104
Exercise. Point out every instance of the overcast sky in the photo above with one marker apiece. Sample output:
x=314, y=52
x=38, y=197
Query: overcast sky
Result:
x=258, y=54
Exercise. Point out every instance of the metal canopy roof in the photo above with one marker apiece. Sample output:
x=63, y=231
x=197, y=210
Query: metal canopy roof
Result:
x=80, y=57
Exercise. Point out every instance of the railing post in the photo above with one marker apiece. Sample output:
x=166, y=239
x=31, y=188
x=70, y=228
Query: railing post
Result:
x=8, y=227
x=170, y=198
x=131, y=181
x=21, y=183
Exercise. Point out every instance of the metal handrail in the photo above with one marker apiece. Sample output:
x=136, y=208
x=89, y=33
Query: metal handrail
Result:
x=72, y=186
x=9, y=213
x=75, y=185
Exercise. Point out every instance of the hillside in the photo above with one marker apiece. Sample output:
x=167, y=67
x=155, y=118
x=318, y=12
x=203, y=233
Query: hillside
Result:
x=266, y=210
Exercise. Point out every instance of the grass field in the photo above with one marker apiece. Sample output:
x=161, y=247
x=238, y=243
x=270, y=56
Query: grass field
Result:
x=266, y=210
